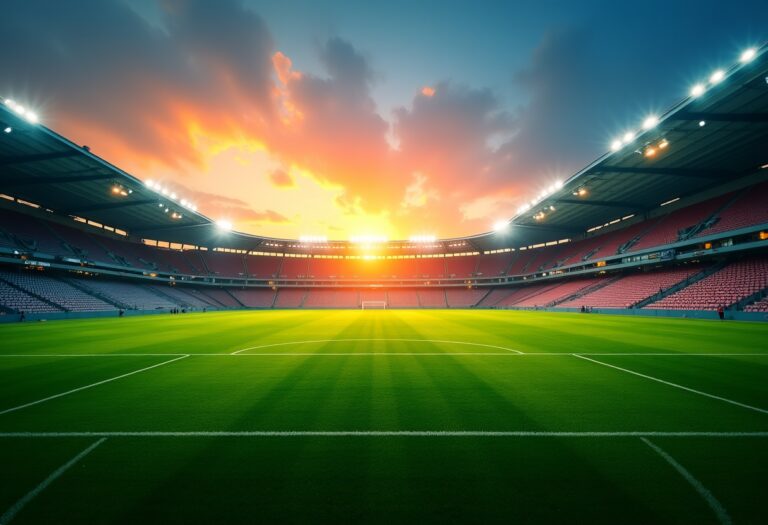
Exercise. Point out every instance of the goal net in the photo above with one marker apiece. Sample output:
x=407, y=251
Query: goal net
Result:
x=370, y=305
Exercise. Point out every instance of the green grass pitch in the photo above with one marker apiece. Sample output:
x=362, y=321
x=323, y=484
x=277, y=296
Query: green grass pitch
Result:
x=383, y=416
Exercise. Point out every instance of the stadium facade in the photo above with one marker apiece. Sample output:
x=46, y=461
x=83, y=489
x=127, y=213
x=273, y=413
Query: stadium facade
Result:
x=673, y=219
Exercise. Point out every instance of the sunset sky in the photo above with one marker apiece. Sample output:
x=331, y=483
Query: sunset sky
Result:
x=336, y=118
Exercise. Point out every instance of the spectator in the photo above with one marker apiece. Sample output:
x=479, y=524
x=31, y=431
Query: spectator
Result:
x=721, y=312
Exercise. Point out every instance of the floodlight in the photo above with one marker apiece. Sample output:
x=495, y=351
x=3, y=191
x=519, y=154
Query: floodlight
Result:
x=558, y=184
x=698, y=90
x=500, y=226
x=650, y=152
x=702, y=123
x=628, y=137
x=717, y=76
x=32, y=117
x=650, y=122
x=8, y=129
x=747, y=55
x=616, y=145
x=224, y=225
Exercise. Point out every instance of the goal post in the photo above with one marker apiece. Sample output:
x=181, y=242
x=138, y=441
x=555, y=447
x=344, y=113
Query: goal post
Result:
x=373, y=305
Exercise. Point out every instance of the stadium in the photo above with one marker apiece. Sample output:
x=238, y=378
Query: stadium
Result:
x=597, y=356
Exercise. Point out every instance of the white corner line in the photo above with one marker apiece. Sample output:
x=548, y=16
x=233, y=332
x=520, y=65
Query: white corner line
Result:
x=288, y=343
x=16, y=507
x=714, y=504
x=699, y=392
x=7, y=410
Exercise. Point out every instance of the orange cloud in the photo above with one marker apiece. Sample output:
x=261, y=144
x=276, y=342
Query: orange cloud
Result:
x=281, y=179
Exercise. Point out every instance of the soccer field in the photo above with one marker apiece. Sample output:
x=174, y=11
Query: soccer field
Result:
x=383, y=416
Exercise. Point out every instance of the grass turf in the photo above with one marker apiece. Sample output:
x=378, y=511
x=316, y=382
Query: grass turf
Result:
x=344, y=371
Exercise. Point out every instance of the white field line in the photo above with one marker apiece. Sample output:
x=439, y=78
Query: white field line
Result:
x=534, y=354
x=384, y=433
x=11, y=513
x=88, y=386
x=377, y=340
x=714, y=504
x=699, y=392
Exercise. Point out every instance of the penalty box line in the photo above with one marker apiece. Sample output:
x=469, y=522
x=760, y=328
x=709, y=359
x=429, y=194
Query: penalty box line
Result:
x=360, y=340
x=386, y=433
x=55, y=396
x=669, y=383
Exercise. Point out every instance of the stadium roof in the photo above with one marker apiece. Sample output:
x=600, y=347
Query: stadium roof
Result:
x=712, y=137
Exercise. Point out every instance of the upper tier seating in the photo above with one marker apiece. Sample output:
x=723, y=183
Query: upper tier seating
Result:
x=669, y=227
x=494, y=264
x=56, y=291
x=632, y=289
x=224, y=264
x=725, y=287
x=750, y=208
x=262, y=266
x=461, y=266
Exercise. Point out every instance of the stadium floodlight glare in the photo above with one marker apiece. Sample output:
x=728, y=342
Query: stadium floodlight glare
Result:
x=500, y=226
x=702, y=123
x=628, y=137
x=616, y=145
x=650, y=122
x=149, y=184
x=8, y=129
x=368, y=239
x=422, y=238
x=312, y=239
x=224, y=225
x=747, y=55
x=522, y=209
x=717, y=76
x=698, y=90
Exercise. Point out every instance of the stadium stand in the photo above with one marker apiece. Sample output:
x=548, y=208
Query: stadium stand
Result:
x=631, y=289
x=461, y=266
x=290, y=298
x=558, y=292
x=295, y=268
x=750, y=208
x=332, y=299
x=184, y=297
x=724, y=288
x=17, y=300
x=255, y=298
x=262, y=267
x=403, y=298
x=680, y=223
x=55, y=291
x=463, y=298
x=758, y=306
x=224, y=264
x=493, y=264
x=127, y=295
x=432, y=298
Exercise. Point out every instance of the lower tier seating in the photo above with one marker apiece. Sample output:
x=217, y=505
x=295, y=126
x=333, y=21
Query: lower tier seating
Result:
x=725, y=287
